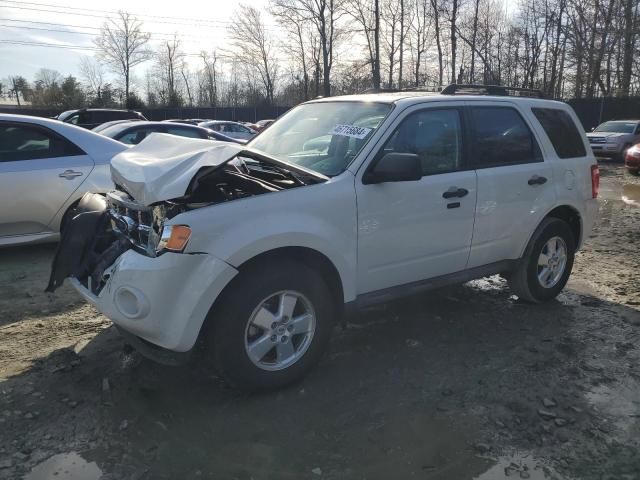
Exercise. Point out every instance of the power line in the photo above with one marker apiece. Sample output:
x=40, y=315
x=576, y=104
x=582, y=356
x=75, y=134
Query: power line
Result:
x=153, y=34
x=200, y=22
x=43, y=44
x=26, y=43
x=187, y=19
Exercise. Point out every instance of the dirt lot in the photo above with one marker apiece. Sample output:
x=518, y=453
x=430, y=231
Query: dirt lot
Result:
x=462, y=383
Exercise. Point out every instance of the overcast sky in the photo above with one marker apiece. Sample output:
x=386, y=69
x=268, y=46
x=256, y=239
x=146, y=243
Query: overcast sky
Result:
x=72, y=24
x=198, y=24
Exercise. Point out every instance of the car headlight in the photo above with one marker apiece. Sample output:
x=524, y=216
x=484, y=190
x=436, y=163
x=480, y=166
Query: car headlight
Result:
x=174, y=238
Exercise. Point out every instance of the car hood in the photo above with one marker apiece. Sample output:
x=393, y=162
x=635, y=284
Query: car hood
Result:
x=162, y=166
x=607, y=134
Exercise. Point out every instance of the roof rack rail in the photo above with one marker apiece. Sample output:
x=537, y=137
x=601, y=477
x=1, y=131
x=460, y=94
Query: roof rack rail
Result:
x=497, y=90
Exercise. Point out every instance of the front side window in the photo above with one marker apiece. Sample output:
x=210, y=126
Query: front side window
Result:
x=562, y=132
x=501, y=137
x=434, y=135
x=322, y=136
x=24, y=142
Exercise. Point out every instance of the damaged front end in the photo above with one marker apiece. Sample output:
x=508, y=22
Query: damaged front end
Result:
x=148, y=194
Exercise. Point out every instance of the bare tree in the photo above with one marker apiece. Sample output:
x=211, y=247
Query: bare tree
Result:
x=324, y=15
x=168, y=64
x=254, y=47
x=367, y=17
x=210, y=74
x=122, y=45
x=92, y=74
x=297, y=43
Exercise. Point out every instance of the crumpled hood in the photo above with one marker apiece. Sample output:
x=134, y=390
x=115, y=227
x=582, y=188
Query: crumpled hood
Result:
x=162, y=166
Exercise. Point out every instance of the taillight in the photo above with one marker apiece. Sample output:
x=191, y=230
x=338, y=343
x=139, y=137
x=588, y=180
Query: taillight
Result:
x=633, y=152
x=595, y=181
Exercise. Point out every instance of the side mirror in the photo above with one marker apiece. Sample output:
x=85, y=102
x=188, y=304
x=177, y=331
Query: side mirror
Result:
x=394, y=167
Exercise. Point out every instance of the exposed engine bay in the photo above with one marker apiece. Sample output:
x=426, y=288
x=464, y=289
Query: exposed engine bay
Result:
x=103, y=228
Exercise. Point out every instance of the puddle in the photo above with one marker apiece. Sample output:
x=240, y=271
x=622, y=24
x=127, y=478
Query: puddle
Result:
x=519, y=465
x=622, y=403
x=631, y=195
x=65, y=466
x=628, y=193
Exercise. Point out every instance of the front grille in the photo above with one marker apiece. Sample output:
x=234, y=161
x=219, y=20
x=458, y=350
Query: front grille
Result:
x=136, y=222
x=597, y=140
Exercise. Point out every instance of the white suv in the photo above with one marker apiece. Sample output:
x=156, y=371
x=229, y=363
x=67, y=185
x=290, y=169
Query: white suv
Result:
x=256, y=251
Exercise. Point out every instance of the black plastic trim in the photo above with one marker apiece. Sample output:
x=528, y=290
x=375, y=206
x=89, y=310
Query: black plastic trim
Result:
x=420, y=286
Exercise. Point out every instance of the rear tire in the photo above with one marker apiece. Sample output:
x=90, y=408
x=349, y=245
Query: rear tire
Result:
x=633, y=171
x=272, y=325
x=544, y=269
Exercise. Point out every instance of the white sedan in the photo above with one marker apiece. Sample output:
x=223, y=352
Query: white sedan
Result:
x=45, y=168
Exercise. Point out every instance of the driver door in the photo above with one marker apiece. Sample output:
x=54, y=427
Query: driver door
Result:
x=414, y=230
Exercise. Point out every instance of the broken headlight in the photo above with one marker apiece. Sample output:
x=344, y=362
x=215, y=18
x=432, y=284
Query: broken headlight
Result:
x=174, y=238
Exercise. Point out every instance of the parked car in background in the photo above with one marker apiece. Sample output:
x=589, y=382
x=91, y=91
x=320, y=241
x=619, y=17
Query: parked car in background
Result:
x=92, y=117
x=612, y=139
x=45, y=167
x=188, y=121
x=262, y=124
x=269, y=244
x=632, y=159
x=104, y=125
x=231, y=129
x=133, y=133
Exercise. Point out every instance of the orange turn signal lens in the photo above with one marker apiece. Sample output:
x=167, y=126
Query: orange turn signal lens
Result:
x=177, y=239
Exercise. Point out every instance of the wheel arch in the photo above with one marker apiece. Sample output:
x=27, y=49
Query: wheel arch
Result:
x=573, y=218
x=570, y=214
x=309, y=257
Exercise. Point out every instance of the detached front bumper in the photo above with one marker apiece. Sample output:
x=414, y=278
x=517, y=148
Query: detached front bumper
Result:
x=163, y=300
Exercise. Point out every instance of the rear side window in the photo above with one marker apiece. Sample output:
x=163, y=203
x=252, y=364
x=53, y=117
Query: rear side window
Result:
x=562, y=132
x=135, y=136
x=501, y=137
x=24, y=142
x=185, y=132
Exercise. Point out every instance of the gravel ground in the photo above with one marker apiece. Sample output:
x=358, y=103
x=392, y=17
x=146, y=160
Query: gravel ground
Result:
x=462, y=383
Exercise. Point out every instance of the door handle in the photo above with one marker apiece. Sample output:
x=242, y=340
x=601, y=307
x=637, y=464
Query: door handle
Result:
x=537, y=180
x=455, y=192
x=70, y=174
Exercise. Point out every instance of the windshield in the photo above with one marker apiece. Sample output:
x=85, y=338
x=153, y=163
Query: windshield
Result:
x=616, y=127
x=324, y=136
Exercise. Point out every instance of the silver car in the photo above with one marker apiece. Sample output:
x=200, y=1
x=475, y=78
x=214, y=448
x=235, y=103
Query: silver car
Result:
x=45, y=168
x=612, y=139
x=230, y=129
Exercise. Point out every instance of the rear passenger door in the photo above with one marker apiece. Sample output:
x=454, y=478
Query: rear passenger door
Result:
x=515, y=184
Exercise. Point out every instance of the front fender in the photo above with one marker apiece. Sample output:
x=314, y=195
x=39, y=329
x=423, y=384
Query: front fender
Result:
x=319, y=217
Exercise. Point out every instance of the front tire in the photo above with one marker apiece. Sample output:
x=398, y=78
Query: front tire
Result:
x=272, y=325
x=544, y=269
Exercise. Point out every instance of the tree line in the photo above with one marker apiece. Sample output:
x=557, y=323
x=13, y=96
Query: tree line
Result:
x=565, y=48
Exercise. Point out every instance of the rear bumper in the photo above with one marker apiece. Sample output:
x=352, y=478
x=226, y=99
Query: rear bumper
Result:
x=162, y=300
x=632, y=163
x=589, y=219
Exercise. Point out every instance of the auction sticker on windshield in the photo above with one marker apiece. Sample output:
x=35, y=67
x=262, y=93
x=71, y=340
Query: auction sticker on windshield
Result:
x=350, y=131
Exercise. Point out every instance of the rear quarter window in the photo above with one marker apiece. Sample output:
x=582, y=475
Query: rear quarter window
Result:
x=562, y=132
